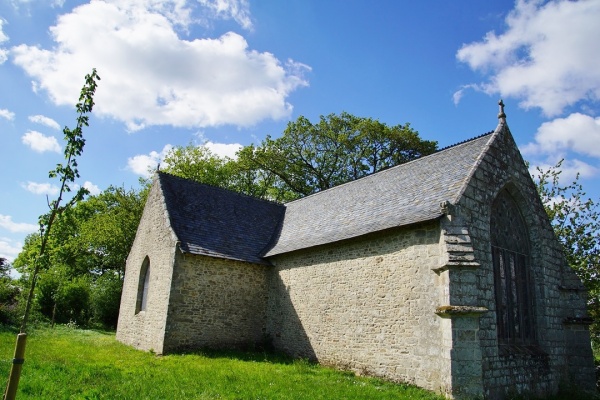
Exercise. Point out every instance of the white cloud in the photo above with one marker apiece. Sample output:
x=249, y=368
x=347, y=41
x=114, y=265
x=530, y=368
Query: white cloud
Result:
x=49, y=122
x=548, y=56
x=40, y=188
x=573, y=167
x=150, y=76
x=4, y=113
x=458, y=95
x=7, y=223
x=223, y=149
x=52, y=190
x=40, y=143
x=93, y=189
x=569, y=168
x=145, y=164
x=27, y=3
x=577, y=132
x=3, y=38
x=9, y=248
x=569, y=138
x=238, y=10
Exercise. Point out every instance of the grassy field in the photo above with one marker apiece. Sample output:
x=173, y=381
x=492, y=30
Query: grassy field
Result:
x=69, y=363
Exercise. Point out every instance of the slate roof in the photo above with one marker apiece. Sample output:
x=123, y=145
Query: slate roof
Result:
x=402, y=195
x=216, y=222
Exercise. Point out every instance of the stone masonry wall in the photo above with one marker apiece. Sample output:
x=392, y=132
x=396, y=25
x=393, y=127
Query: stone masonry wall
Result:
x=216, y=303
x=536, y=370
x=155, y=240
x=366, y=304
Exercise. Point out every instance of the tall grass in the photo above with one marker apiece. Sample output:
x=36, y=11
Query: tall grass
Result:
x=66, y=363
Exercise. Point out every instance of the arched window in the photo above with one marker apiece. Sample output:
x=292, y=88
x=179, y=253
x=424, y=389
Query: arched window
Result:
x=143, y=283
x=510, y=255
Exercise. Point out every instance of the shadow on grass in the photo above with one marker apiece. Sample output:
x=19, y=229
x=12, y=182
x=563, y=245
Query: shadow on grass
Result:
x=254, y=354
x=248, y=355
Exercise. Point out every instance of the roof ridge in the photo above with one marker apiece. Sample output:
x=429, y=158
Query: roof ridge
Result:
x=464, y=141
x=220, y=188
x=325, y=190
x=406, y=194
x=392, y=167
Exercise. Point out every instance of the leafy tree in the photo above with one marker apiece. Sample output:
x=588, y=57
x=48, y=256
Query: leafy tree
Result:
x=106, y=299
x=198, y=163
x=64, y=300
x=74, y=302
x=339, y=148
x=9, y=298
x=9, y=295
x=574, y=217
x=88, y=247
x=47, y=289
x=26, y=258
x=307, y=158
x=106, y=227
x=67, y=173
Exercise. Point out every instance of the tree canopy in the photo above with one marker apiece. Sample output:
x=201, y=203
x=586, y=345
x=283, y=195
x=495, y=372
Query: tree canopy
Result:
x=306, y=158
x=198, y=163
x=574, y=218
x=86, y=256
x=310, y=157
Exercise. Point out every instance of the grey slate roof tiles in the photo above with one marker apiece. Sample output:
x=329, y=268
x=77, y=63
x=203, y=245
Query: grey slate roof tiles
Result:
x=217, y=222
x=402, y=195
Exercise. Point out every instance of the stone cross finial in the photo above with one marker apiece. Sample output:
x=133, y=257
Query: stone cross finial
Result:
x=501, y=115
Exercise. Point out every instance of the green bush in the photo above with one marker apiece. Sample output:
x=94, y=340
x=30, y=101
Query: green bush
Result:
x=64, y=301
x=9, y=298
x=106, y=299
x=80, y=300
x=46, y=294
x=73, y=303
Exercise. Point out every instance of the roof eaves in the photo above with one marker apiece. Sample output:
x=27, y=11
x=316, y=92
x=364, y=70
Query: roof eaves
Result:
x=205, y=252
x=269, y=254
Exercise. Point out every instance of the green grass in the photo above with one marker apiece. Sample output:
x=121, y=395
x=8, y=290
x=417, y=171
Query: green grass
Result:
x=67, y=363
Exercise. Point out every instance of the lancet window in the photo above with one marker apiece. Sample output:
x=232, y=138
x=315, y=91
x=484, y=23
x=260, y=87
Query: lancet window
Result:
x=512, y=277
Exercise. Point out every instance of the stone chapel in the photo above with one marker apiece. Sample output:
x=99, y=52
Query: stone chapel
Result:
x=443, y=272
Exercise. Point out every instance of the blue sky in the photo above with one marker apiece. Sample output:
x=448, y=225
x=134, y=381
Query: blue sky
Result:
x=225, y=73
